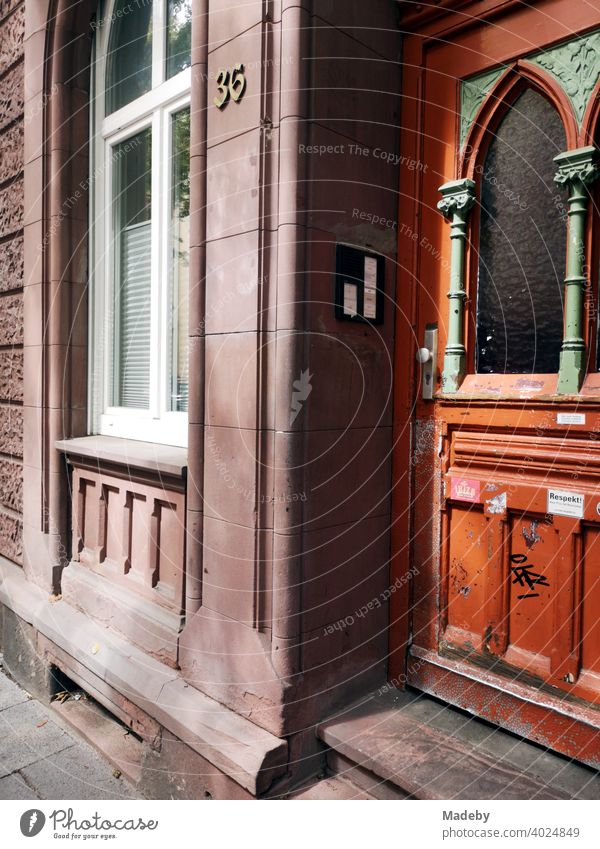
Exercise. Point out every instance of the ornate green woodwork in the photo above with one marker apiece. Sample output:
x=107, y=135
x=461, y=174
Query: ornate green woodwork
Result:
x=576, y=66
x=472, y=95
x=577, y=169
x=458, y=198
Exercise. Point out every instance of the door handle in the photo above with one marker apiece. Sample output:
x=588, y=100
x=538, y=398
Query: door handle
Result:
x=427, y=358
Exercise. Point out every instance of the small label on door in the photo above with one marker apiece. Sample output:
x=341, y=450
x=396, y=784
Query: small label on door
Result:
x=570, y=418
x=566, y=503
x=465, y=489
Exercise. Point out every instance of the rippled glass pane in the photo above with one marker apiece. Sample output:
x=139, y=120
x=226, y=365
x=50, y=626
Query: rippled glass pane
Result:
x=179, y=36
x=129, y=56
x=133, y=271
x=180, y=251
x=522, y=243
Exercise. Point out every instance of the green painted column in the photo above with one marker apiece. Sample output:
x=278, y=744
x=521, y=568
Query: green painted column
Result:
x=458, y=198
x=577, y=169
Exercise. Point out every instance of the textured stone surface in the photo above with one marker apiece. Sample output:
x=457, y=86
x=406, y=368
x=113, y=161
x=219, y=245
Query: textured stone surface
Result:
x=14, y=787
x=7, y=6
x=11, y=208
x=11, y=537
x=76, y=773
x=11, y=485
x=11, y=144
x=11, y=264
x=11, y=39
x=11, y=375
x=12, y=96
x=11, y=319
x=10, y=694
x=11, y=430
x=27, y=735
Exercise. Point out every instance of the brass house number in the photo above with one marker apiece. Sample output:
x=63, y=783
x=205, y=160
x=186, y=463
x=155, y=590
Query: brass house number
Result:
x=231, y=85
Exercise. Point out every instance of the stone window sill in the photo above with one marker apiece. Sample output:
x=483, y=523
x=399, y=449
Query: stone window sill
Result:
x=146, y=456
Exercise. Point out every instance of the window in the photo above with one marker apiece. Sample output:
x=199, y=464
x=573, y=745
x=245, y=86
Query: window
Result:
x=140, y=221
x=522, y=243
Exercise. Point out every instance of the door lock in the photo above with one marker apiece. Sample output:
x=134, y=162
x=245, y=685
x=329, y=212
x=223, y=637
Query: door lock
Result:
x=427, y=358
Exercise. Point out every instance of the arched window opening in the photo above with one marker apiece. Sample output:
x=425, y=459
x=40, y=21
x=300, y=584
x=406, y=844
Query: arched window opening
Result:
x=522, y=243
x=140, y=181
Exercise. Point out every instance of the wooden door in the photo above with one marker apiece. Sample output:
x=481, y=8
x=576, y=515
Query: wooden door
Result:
x=504, y=558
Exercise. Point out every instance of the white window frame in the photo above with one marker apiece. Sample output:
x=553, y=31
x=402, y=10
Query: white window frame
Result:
x=153, y=109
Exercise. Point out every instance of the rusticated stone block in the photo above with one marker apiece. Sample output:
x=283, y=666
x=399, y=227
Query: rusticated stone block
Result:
x=7, y=6
x=12, y=96
x=11, y=264
x=11, y=208
x=11, y=319
x=11, y=375
x=11, y=485
x=11, y=538
x=11, y=145
x=12, y=31
x=11, y=430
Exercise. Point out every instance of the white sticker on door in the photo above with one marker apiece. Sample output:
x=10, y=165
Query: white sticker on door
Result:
x=562, y=503
x=570, y=418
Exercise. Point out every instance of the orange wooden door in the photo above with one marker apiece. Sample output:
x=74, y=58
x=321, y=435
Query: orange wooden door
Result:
x=503, y=616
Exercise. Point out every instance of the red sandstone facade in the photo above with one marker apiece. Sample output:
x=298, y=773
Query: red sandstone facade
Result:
x=197, y=593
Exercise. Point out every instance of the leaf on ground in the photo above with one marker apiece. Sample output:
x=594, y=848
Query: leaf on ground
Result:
x=60, y=697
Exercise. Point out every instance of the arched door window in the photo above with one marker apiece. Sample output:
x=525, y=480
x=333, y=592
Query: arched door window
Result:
x=522, y=243
x=140, y=220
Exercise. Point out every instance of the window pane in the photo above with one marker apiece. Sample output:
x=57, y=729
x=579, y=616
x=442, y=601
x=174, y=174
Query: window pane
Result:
x=179, y=252
x=129, y=58
x=132, y=295
x=179, y=36
x=522, y=243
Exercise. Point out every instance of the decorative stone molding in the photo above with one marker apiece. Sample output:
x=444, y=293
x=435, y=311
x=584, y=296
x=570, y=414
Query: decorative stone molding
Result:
x=458, y=198
x=577, y=169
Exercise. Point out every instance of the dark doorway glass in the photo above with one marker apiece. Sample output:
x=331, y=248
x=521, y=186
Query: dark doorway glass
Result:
x=522, y=243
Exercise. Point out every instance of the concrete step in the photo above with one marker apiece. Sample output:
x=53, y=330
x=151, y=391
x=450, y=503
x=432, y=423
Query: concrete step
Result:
x=429, y=750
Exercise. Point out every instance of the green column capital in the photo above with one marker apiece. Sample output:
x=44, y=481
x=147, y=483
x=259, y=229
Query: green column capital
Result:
x=577, y=169
x=579, y=165
x=458, y=198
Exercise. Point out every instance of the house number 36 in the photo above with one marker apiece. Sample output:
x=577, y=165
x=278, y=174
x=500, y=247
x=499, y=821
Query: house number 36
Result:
x=231, y=84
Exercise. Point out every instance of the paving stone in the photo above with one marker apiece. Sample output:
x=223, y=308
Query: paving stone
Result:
x=14, y=787
x=27, y=735
x=10, y=693
x=76, y=773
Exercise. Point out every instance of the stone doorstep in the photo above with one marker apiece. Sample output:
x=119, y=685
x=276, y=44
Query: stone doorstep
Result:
x=249, y=755
x=432, y=751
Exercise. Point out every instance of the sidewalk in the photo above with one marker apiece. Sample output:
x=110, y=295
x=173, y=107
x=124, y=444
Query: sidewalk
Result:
x=40, y=758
